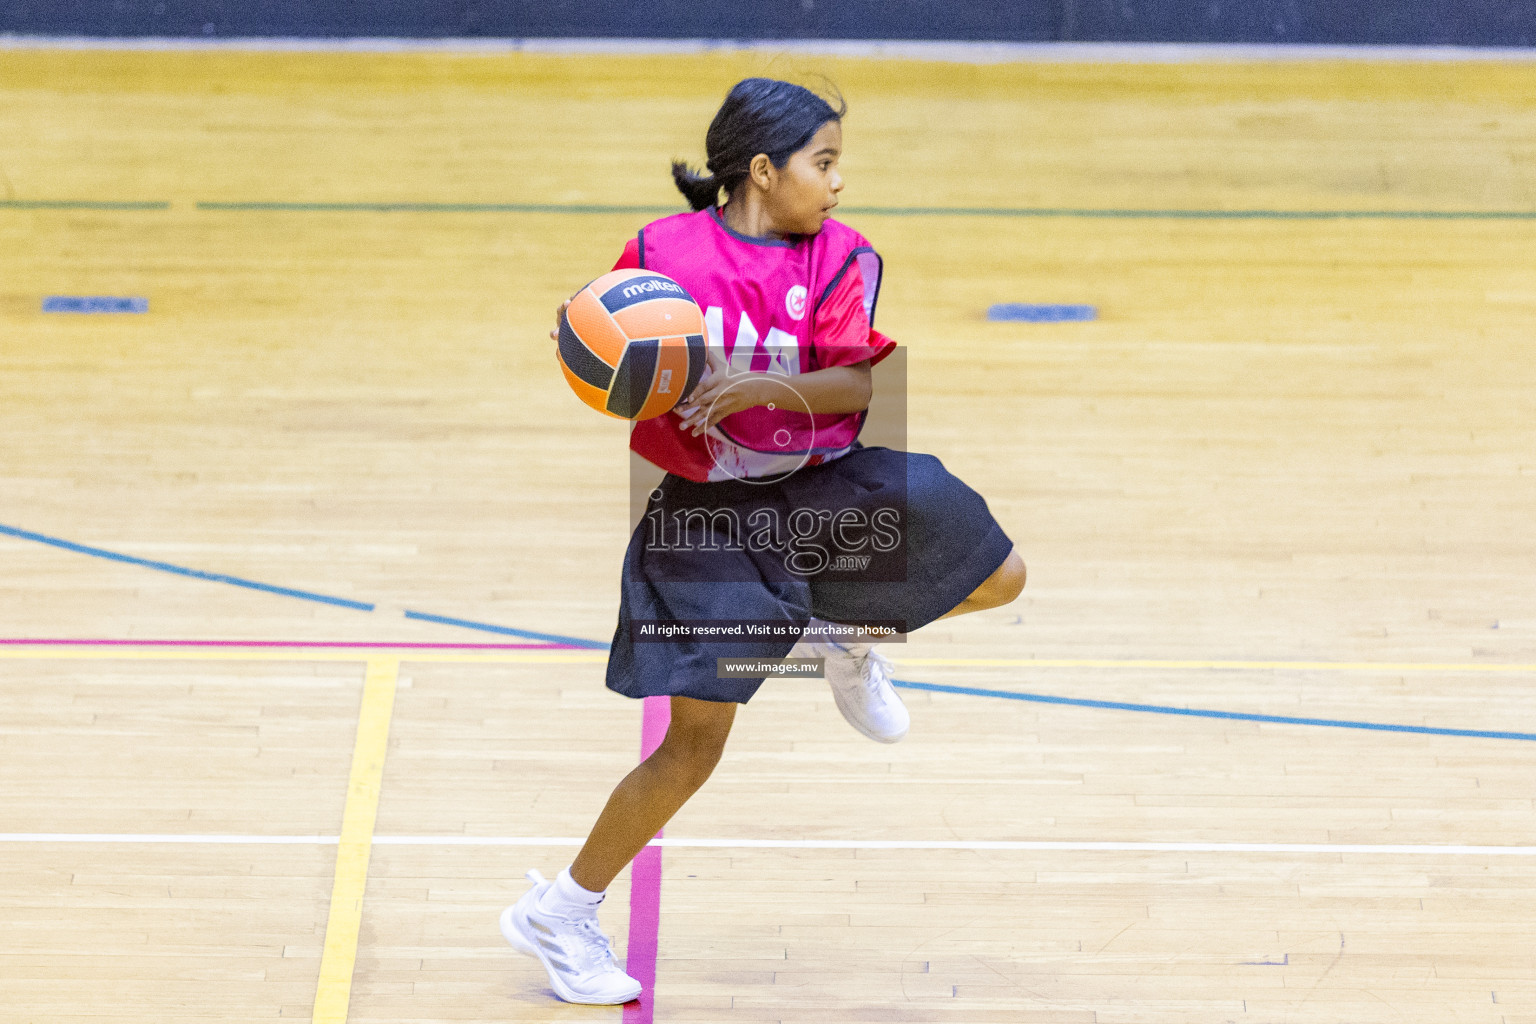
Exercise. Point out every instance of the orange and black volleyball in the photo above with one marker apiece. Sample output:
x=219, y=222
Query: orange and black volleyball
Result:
x=632, y=344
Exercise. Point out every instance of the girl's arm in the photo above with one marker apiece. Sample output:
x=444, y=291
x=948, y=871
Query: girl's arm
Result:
x=720, y=393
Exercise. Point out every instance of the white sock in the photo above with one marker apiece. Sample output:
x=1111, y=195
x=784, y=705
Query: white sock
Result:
x=565, y=898
x=843, y=638
x=869, y=640
x=816, y=632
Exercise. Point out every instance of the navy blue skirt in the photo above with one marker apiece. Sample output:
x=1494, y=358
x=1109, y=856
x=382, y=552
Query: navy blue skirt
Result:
x=736, y=569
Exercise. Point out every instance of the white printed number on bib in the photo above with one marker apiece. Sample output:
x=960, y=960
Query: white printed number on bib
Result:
x=781, y=347
x=794, y=302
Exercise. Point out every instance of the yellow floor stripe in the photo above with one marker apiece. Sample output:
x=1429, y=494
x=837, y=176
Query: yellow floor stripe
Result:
x=334, y=990
x=1288, y=666
x=297, y=654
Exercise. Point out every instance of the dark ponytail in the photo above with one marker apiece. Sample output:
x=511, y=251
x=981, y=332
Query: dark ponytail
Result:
x=701, y=190
x=760, y=115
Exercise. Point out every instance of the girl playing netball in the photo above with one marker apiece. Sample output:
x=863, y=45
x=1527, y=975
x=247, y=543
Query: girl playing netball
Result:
x=765, y=476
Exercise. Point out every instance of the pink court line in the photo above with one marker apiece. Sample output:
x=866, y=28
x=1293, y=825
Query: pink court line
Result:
x=290, y=645
x=645, y=885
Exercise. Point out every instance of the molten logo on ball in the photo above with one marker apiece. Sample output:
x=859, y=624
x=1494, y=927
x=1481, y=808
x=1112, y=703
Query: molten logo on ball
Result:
x=628, y=339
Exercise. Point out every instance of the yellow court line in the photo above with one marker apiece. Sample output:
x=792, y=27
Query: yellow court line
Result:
x=408, y=655
x=334, y=990
x=1293, y=666
x=304, y=654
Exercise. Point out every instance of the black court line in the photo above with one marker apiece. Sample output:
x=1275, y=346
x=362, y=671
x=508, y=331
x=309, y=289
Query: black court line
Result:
x=81, y=204
x=1153, y=214
x=408, y=207
x=651, y=210
x=1107, y=213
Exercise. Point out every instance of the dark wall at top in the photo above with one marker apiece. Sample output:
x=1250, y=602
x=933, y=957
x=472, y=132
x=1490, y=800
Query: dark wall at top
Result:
x=1403, y=22
x=732, y=19
x=1456, y=22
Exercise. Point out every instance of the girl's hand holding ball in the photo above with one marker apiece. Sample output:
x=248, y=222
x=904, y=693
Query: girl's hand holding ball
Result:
x=554, y=335
x=719, y=394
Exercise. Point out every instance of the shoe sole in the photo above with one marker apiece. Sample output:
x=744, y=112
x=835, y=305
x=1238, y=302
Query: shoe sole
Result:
x=511, y=930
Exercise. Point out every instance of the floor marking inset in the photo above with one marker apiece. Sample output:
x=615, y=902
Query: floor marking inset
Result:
x=95, y=304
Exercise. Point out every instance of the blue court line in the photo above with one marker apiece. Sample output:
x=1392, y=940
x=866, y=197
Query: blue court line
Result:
x=78, y=204
x=970, y=691
x=527, y=634
x=212, y=577
x=305, y=595
x=883, y=211
x=1038, y=313
x=1237, y=716
x=94, y=304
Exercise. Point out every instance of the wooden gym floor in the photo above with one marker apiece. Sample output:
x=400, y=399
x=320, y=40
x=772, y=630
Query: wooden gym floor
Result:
x=1288, y=472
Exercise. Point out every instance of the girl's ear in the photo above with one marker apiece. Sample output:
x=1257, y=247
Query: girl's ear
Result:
x=760, y=170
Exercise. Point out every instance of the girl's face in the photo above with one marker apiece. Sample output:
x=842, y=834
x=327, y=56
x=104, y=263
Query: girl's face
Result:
x=804, y=191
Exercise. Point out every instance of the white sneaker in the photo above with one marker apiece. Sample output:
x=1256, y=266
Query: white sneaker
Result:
x=576, y=953
x=860, y=677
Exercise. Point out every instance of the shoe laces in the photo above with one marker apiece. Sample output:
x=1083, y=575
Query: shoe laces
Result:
x=591, y=944
x=874, y=669
x=595, y=947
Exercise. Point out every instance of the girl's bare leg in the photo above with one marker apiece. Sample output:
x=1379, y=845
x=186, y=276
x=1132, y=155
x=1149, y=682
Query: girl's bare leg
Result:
x=648, y=796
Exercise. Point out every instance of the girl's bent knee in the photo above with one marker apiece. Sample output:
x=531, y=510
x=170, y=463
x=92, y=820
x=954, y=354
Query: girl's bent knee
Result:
x=1006, y=583
x=1014, y=576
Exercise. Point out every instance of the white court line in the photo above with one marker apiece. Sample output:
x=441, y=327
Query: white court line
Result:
x=140, y=837
x=416, y=656
x=889, y=49
x=792, y=844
